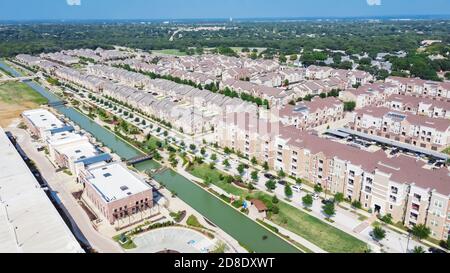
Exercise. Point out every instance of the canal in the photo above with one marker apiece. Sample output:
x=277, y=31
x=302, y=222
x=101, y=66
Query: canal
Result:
x=237, y=225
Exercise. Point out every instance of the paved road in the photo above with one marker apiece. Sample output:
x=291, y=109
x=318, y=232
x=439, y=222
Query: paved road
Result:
x=83, y=228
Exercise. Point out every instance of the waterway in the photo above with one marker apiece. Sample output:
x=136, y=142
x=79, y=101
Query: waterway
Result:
x=237, y=225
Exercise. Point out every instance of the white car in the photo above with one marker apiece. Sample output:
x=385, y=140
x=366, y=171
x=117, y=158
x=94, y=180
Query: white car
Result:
x=315, y=196
x=297, y=188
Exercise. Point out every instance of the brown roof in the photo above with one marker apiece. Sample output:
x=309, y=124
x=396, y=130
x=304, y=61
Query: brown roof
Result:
x=260, y=206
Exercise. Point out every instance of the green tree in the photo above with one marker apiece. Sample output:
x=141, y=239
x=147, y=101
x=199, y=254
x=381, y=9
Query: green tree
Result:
x=271, y=185
x=307, y=201
x=338, y=197
x=254, y=161
x=192, y=147
x=266, y=166
x=241, y=169
x=202, y=151
x=329, y=209
x=275, y=199
x=254, y=176
x=226, y=163
x=418, y=250
x=288, y=190
x=281, y=174
x=387, y=218
x=349, y=106
x=318, y=189
x=213, y=157
x=378, y=233
x=421, y=231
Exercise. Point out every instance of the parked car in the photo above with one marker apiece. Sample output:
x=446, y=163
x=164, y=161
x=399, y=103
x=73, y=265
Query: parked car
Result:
x=297, y=188
x=282, y=182
x=269, y=176
x=327, y=201
x=315, y=196
x=436, y=250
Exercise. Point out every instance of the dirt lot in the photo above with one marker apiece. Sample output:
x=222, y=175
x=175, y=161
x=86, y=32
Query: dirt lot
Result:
x=14, y=99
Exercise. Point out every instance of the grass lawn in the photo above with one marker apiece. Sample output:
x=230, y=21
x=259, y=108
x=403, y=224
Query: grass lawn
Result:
x=203, y=171
x=323, y=235
x=175, y=52
x=312, y=229
x=16, y=97
x=446, y=151
x=151, y=144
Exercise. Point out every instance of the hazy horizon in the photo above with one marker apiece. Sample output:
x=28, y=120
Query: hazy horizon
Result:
x=82, y=10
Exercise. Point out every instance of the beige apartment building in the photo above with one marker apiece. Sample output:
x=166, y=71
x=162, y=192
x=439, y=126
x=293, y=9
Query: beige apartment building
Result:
x=310, y=114
x=421, y=131
x=400, y=185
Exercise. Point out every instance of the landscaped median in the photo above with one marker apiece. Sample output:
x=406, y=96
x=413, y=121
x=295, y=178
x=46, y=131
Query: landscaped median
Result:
x=293, y=219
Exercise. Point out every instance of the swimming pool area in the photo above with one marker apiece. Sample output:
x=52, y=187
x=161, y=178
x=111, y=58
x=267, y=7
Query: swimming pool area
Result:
x=174, y=239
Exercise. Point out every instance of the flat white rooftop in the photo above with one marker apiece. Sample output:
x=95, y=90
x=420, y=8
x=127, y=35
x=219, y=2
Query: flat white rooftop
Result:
x=42, y=118
x=73, y=145
x=28, y=220
x=114, y=182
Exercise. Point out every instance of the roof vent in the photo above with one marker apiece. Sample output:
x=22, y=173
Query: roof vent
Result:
x=124, y=188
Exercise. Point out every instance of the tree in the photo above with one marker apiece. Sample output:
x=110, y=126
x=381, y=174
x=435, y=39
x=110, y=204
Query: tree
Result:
x=202, y=151
x=318, y=189
x=275, y=199
x=378, y=233
x=293, y=57
x=254, y=176
x=349, y=106
x=241, y=169
x=254, y=161
x=213, y=157
x=288, y=190
x=387, y=218
x=421, y=231
x=307, y=201
x=418, y=250
x=192, y=147
x=282, y=58
x=338, y=197
x=281, y=174
x=266, y=166
x=271, y=185
x=329, y=210
x=226, y=163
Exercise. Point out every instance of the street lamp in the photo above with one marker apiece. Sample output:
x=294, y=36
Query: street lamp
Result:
x=407, y=244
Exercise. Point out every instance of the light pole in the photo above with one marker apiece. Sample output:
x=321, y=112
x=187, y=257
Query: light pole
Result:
x=407, y=243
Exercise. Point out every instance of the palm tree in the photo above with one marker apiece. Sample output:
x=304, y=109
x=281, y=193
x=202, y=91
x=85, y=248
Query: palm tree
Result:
x=418, y=249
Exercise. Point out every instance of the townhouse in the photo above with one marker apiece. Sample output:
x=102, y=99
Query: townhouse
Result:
x=309, y=114
x=421, y=88
x=419, y=106
x=374, y=94
x=425, y=132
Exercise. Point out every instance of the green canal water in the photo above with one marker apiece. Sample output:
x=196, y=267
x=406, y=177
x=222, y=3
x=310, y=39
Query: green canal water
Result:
x=237, y=225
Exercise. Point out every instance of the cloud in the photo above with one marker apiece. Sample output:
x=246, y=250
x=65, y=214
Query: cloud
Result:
x=374, y=2
x=74, y=2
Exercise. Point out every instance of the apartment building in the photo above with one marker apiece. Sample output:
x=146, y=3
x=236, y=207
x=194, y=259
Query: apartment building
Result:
x=374, y=94
x=401, y=186
x=116, y=192
x=425, y=132
x=419, y=106
x=310, y=114
x=422, y=88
